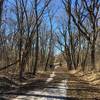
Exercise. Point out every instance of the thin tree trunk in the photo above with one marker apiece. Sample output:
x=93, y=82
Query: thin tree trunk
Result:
x=20, y=59
x=83, y=64
x=47, y=62
x=37, y=40
x=93, y=56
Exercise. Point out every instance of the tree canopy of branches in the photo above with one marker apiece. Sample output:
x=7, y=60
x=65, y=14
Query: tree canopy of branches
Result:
x=32, y=32
x=83, y=13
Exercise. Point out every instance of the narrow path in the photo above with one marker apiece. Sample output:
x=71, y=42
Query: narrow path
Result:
x=54, y=91
x=59, y=85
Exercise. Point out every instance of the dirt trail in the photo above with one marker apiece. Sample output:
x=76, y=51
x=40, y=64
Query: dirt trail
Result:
x=59, y=85
x=54, y=91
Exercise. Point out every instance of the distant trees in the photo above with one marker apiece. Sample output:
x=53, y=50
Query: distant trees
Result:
x=83, y=18
x=50, y=55
x=32, y=31
x=38, y=22
x=24, y=31
x=29, y=34
x=68, y=43
x=90, y=15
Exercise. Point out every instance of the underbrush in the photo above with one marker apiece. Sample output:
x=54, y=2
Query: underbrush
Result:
x=92, y=77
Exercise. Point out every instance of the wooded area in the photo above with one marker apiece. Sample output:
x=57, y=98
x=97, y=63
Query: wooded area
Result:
x=27, y=42
x=39, y=38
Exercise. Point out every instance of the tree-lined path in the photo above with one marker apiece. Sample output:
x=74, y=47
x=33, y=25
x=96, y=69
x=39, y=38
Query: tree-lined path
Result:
x=54, y=88
x=58, y=85
x=37, y=34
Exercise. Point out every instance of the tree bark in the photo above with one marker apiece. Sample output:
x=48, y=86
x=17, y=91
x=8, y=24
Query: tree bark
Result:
x=37, y=40
x=93, y=56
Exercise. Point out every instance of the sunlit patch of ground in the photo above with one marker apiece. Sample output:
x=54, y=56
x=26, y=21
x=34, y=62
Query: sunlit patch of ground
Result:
x=51, y=92
x=84, y=85
x=92, y=77
x=61, y=84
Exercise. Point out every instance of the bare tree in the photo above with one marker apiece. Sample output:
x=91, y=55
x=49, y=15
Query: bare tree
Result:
x=85, y=11
x=51, y=41
x=37, y=26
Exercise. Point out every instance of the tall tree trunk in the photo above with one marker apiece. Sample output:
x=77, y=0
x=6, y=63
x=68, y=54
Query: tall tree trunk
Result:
x=68, y=58
x=20, y=60
x=25, y=57
x=37, y=40
x=83, y=64
x=36, y=55
x=93, y=56
x=20, y=57
x=47, y=62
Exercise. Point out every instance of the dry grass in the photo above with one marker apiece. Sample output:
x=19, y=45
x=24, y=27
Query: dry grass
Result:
x=92, y=77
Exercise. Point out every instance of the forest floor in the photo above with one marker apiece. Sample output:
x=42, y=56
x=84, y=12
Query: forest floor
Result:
x=52, y=85
x=92, y=77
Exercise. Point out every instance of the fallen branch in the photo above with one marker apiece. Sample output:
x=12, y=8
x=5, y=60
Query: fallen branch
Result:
x=5, y=67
